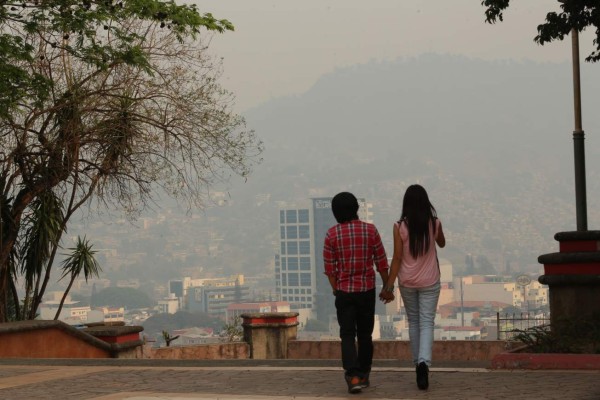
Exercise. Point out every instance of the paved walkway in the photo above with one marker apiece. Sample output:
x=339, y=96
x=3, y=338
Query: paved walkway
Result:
x=276, y=380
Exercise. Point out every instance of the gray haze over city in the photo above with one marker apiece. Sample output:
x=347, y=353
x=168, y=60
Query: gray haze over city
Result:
x=371, y=97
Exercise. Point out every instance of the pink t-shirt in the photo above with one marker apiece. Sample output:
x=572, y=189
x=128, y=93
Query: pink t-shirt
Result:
x=422, y=271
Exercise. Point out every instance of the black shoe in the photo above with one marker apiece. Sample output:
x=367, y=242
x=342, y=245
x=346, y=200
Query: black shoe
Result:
x=354, y=385
x=364, y=381
x=422, y=376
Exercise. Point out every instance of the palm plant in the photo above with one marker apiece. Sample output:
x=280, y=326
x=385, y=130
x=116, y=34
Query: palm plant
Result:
x=81, y=259
x=41, y=238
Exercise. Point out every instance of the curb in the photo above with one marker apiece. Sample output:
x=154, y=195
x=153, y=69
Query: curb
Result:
x=546, y=361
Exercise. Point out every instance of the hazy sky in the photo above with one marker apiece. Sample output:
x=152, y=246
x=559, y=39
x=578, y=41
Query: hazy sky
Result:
x=281, y=47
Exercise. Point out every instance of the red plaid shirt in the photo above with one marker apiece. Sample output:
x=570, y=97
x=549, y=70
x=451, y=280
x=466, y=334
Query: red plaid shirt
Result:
x=349, y=253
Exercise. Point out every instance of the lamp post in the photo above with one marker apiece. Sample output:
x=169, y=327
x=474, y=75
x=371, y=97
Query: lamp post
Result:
x=578, y=139
x=573, y=274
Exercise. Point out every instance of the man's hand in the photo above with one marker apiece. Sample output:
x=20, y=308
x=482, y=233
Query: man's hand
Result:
x=386, y=296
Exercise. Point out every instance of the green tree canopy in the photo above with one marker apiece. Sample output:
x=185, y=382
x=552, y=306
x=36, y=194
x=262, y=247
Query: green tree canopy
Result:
x=95, y=32
x=106, y=101
x=575, y=14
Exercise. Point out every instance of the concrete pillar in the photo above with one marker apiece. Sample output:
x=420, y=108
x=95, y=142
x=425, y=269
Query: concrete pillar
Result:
x=268, y=334
x=573, y=279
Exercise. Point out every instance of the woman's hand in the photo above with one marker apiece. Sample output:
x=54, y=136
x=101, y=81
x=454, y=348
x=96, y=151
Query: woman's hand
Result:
x=385, y=296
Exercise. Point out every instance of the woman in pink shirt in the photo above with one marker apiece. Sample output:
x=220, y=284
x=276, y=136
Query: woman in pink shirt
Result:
x=416, y=266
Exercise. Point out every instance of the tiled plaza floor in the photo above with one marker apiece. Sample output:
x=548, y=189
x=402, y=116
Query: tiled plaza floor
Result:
x=289, y=379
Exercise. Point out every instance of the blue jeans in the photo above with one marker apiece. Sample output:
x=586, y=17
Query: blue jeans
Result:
x=356, y=317
x=420, y=305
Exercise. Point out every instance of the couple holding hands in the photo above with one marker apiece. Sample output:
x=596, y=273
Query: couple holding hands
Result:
x=352, y=252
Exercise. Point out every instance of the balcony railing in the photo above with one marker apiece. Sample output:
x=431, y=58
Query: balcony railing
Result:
x=510, y=324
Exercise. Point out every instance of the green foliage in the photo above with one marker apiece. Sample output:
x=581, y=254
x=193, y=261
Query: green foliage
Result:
x=233, y=331
x=106, y=100
x=129, y=298
x=578, y=336
x=81, y=28
x=575, y=14
x=81, y=259
x=168, y=338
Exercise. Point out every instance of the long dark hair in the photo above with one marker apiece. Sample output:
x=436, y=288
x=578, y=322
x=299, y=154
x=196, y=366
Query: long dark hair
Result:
x=419, y=214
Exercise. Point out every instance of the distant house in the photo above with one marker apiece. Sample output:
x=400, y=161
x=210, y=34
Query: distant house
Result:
x=459, y=333
x=193, y=336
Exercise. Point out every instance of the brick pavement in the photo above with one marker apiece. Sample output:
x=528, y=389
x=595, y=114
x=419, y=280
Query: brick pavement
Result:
x=117, y=380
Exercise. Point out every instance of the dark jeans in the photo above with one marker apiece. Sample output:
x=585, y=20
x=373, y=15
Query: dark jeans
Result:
x=356, y=316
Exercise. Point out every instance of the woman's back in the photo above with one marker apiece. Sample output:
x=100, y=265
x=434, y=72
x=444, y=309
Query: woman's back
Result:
x=422, y=270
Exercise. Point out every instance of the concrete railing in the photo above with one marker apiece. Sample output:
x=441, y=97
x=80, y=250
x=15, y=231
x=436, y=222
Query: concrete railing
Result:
x=273, y=336
x=55, y=339
x=266, y=336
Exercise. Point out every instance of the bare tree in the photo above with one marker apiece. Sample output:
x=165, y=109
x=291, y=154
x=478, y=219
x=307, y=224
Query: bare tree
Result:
x=114, y=131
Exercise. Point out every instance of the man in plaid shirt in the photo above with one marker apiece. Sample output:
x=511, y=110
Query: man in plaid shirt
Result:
x=351, y=249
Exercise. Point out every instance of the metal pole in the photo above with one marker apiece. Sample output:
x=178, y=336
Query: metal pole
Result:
x=578, y=140
x=462, y=310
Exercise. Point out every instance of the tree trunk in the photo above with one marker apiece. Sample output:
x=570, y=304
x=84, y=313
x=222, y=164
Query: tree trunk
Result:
x=65, y=294
x=15, y=296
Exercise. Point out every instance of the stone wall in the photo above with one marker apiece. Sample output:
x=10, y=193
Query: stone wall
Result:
x=218, y=351
x=450, y=350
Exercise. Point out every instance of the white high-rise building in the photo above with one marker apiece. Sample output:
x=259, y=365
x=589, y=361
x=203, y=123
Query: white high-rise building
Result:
x=299, y=271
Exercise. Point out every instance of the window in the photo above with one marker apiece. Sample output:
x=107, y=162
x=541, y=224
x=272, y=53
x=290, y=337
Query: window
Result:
x=293, y=280
x=308, y=291
x=303, y=231
x=284, y=291
x=291, y=217
x=304, y=279
x=303, y=216
x=292, y=247
x=292, y=263
x=284, y=280
x=281, y=216
x=292, y=232
x=282, y=248
x=304, y=246
x=305, y=263
x=282, y=232
x=284, y=264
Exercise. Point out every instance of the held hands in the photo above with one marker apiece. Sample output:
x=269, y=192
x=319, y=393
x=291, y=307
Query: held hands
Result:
x=386, y=296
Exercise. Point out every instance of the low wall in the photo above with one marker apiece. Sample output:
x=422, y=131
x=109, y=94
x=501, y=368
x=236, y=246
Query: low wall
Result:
x=450, y=350
x=218, y=351
x=49, y=339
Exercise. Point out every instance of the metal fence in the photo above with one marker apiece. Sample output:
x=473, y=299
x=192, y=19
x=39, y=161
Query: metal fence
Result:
x=510, y=324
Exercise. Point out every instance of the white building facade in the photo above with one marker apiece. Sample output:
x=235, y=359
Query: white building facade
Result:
x=299, y=271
